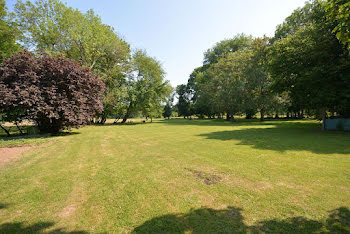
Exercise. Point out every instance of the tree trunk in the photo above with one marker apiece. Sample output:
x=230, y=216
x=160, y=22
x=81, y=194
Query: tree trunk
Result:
x=262, y=114
x=116, y=119
x=151, y=120
x=7, y=132
x=126, y=116
x=20, y=130
x=227, y=116
x=103, y=119
x=323, y=117
x=232, y=118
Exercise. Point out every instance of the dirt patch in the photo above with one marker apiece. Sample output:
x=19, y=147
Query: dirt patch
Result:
x=283, y=184
x=8, y=154
x=67, y=211
x=344, y=189
x=208, y=179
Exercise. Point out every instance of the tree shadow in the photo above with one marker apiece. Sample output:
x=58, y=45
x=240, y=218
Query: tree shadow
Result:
x=238, y=122
x=283, y=137
x=20, y=227
x=230, y=220
x=203, y=220
x=39, y=227
x=36, y=136
x=3, y=205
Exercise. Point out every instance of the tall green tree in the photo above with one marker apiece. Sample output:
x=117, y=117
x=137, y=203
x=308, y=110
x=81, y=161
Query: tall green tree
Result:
x=258, y=90
x=230, y=74
x=184, y=104
x=200, y=84
x=310, y=64
x=224, y=47
x=168, y=108
x=339, y=11
x=146, y=87
x=8, y=33
x=52, y=26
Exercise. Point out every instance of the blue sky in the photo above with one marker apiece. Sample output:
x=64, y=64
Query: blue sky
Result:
x=178, y=32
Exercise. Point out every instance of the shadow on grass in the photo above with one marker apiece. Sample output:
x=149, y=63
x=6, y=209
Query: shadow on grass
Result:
x=39, y=227
x=36, y=136
x=231, y=220
x=19, y=227
x=289, y=136
x=3, y=206
x=238, y=122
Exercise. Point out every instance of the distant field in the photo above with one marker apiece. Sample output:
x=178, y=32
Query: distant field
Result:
x=177, y=176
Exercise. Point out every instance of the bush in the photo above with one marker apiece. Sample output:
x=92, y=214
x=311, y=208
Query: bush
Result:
x=54, y=92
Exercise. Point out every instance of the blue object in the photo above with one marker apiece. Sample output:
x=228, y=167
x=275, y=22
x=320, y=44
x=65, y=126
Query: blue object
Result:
x=337, y=124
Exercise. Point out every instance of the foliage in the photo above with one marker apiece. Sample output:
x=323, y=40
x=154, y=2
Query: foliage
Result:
x=184, y=105
x=311, y=65
x=229, y=80
x=54, y=92
x=236, y=82
x=201, y=90
x=222, y=48
x=168, y=108
x=56, y=28
x=167, y=111
x=52, y=26
x=338, y=11
x=8, y=34
x=146, y=87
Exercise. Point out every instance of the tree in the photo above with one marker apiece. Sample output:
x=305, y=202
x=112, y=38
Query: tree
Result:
x=311, y=65
x=259, y=95
x=54, y=92
x=200, y=84
x=8, y=34
x=52, y=26
x=184, y=105
x=338, y=11
x=222, y=48
x=230, y=79
x=146, y=87
x=168, y=108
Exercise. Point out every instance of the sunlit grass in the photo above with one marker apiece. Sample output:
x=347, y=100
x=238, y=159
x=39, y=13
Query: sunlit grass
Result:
x=182, y=176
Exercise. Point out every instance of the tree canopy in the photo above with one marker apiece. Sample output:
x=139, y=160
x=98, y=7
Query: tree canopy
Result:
x=54, y=92
x=146, y=87
x=134, y=83
x=303, y=68
x=8, y=33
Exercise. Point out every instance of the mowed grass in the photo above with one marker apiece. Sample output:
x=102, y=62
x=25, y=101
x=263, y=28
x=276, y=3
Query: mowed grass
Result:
x=182, y=176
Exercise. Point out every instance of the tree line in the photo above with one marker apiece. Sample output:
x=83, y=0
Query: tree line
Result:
x=74, y=43
x=304, y=69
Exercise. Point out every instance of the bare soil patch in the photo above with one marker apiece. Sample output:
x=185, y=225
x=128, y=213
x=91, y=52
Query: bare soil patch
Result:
x=208, y=179
x=8, y=154
x=68, y=211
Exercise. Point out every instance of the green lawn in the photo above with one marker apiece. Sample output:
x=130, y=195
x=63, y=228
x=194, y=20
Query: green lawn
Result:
x=199, y=176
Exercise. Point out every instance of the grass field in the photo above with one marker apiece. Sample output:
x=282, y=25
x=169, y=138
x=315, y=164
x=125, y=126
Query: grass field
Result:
x=180, y=176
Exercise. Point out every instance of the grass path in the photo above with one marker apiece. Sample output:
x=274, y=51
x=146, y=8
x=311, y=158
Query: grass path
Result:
x=182, y=176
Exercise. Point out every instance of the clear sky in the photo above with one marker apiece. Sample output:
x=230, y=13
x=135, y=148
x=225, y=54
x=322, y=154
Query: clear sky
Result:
x=178, y=32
